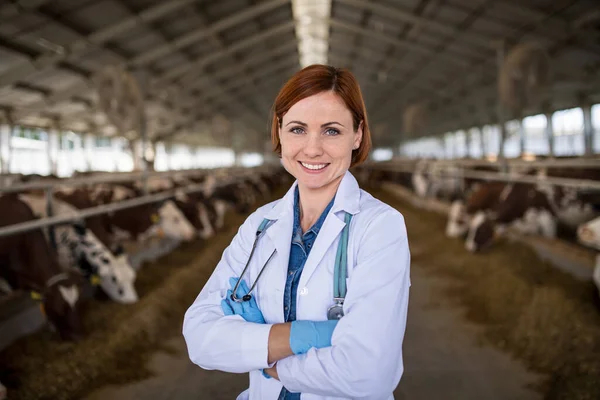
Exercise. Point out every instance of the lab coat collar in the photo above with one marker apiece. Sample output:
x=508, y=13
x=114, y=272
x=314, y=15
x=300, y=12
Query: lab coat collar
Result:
x=280, y=233
x=347, y=199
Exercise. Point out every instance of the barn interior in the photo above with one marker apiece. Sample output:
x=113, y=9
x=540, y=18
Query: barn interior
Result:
x=143, y=127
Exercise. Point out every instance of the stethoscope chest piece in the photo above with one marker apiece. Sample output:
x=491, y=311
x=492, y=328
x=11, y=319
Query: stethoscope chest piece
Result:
x=336, y=311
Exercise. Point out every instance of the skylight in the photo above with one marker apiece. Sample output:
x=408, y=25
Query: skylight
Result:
x=312, y=30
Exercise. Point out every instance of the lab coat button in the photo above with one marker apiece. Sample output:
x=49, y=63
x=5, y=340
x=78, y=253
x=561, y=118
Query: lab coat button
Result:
x=303, y=291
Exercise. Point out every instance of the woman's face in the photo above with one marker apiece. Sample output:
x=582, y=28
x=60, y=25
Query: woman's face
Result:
x=317, y=139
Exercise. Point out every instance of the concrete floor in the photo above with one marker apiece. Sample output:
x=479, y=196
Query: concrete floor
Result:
x=442, y=359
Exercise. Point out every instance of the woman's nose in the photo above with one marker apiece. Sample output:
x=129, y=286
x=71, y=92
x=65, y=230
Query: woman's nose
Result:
x=313, y=146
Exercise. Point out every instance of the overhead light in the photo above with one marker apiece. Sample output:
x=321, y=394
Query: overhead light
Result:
x=312, y=30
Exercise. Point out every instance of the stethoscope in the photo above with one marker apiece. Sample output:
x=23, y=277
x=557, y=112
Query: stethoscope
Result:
x=340, y=270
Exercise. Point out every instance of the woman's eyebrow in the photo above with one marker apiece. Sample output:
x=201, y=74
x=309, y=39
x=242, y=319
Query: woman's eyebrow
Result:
x=332, y=123
x=322, y=126
x=296, y=122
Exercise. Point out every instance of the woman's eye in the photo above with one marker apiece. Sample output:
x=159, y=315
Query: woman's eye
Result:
x=297, y=130
x=332, y=132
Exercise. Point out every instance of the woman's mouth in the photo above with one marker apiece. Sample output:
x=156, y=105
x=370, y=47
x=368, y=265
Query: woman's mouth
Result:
x=312, y=168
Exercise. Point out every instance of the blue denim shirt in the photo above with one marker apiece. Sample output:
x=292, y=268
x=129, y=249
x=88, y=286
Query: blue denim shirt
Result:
x=300, y=249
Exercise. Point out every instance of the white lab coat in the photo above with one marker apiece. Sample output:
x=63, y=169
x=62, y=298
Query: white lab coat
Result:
x=365, y=359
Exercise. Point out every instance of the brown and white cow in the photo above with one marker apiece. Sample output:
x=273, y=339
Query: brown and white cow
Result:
x=520, y=206
x=572, y=206
x=143, y=221
x=27, y=262
x=483, y=198
x=589, y=234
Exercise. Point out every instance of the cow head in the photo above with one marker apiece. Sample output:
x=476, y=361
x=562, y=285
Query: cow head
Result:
x=194, y=210
x=458, y=220
x=482, y=232
x=174, y=224
x=589, y=233
x=420, y=180
x=115, y=275
x=61, y=302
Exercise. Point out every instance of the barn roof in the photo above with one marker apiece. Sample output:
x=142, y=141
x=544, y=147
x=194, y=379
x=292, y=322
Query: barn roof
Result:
x=207, y=68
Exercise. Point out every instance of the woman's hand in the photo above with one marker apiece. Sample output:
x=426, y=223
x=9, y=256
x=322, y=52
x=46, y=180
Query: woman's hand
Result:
x=246, y=309
x=307, y=334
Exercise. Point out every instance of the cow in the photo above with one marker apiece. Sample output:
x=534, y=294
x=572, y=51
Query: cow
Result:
x=143, y=221
x=437, y=179
x=100, y=225
x=462, y=211
x=28, y=263
x=78, y=247
x=572, y=206
x=589, y=235
x=520, y=206
x=196, y=210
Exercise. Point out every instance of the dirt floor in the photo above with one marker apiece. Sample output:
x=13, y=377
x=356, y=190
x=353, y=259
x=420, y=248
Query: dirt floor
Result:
x=500, y=325
x=442, y=357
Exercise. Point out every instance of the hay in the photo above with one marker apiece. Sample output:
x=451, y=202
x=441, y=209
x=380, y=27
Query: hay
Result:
x=539, y=314
x=120, y=338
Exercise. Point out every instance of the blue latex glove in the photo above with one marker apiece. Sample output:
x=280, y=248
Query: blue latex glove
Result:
x=247, y=309
x=307, y=334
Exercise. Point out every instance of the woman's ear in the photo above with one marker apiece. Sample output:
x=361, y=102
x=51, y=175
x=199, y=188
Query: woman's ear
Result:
x=358, y=136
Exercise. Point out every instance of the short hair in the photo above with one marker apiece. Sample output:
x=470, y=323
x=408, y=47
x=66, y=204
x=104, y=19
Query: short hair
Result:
x=316, y=79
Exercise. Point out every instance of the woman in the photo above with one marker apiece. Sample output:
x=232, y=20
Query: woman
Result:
x=324, y=229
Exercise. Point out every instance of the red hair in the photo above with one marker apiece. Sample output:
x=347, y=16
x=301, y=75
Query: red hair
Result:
x=316, y=79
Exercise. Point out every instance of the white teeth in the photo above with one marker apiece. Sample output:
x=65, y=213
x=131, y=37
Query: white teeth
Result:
x=314, y=167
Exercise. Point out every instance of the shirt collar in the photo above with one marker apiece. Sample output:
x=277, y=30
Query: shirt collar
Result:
x=317, y=225
x=346, y=199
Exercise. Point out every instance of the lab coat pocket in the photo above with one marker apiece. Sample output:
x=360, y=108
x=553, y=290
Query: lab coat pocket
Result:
x=270, y=303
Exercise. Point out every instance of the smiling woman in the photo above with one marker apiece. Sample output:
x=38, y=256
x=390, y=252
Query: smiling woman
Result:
x=318, y=277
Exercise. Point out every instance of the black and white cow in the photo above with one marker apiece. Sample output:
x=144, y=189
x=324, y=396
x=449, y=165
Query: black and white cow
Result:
x=78, y=247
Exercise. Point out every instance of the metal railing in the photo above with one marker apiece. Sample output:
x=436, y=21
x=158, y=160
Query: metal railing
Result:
x=497, y=176
x=102, y=209
x=102, y=178
x=545, y=163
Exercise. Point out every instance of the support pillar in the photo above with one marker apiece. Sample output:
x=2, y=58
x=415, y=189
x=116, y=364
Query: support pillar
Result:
x=136, y=154
x=89, y=144
x=53, y=148
x=588, y=130
x=522, y=137
x=468, y=142
x=499, y=107
x=550, y=134
x=483, y=142
x=5, y=147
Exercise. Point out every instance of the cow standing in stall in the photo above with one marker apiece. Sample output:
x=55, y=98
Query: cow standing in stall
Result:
x=589, y=235
x=572, y=206
x=78, y=247
x=480, y=200
x=28, y=263
x=144, y=221
x=520, y=206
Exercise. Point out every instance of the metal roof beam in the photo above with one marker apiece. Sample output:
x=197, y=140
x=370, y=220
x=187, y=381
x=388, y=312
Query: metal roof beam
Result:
x=236, y=71
x=183, y=71
x=204, y=32
x=400, y=14
x=13, y=8
x=404, y=44
x=214, y=37
x=48, y=60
